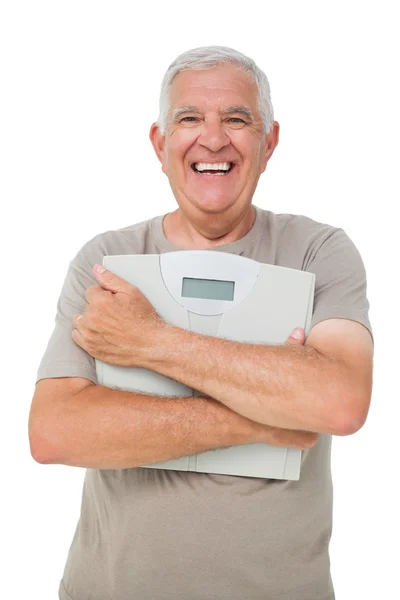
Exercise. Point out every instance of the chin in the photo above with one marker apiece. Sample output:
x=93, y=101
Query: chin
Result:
x=213, y=205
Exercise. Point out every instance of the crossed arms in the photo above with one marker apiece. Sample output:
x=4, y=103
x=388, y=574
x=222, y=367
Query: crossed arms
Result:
x=283, y=395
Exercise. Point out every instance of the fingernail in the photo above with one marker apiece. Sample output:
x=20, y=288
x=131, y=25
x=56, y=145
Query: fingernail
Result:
x=296, y=334
x=99, y=268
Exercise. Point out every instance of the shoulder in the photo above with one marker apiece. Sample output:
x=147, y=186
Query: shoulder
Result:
x=301, y=226
x=132, y=239
x=300, y=238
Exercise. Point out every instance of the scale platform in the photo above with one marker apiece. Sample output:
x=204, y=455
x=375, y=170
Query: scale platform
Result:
x=224, y=295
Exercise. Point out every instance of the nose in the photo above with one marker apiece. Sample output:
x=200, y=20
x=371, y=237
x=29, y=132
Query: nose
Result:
x=213, y=136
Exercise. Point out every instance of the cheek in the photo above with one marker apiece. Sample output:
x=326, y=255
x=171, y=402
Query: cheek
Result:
x=245, y=145
x=248, y=138
x=179, y=144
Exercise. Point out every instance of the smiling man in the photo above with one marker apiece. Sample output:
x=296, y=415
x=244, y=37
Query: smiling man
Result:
x=161, y=534
x=214, y=153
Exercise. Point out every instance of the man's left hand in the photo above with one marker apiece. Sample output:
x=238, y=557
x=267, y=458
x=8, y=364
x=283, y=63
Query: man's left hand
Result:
x=119, y=325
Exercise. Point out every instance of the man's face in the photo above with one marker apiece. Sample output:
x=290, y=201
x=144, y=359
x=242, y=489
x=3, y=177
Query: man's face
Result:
x=214, y=121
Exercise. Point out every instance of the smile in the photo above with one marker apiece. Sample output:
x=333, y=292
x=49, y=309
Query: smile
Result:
x=212, y=168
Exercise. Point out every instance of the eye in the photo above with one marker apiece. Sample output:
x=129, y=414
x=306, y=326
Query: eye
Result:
x=188, y=119
x=236, y=120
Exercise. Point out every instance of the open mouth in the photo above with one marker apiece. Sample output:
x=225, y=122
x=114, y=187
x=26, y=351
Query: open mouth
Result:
x=212, y=169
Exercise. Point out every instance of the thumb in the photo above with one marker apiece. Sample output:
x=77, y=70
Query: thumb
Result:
x=109, y=281
x=296, y=337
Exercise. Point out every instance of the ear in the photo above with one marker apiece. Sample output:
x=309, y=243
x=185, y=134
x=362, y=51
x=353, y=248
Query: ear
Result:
x=271, y=144
x=158, y=142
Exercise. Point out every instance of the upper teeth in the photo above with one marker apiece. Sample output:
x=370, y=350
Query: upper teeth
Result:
x=214, y=166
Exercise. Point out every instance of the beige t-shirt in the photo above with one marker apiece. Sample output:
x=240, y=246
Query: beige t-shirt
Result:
x=156, y=534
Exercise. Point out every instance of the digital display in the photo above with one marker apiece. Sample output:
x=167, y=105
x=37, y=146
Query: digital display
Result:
x=210, y=289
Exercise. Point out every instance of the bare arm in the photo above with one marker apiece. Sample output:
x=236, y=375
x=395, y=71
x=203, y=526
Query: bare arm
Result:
x=324, y=386
x=77, y=423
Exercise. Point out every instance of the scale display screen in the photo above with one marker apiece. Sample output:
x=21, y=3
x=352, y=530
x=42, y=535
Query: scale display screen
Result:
x=210, y=289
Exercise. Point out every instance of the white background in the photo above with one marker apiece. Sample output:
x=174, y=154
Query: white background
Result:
x=80, y=83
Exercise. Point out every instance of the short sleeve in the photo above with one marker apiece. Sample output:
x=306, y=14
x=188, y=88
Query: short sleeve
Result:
x=63, y=357
x=340, y=281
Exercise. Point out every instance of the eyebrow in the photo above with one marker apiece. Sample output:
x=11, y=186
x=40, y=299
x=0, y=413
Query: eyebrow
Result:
x=243, y=110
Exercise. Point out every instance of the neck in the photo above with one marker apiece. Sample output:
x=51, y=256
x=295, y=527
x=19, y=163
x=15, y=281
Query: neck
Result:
x=183, y=230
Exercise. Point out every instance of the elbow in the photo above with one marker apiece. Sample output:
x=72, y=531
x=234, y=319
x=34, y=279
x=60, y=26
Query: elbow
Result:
x=39, y=453
x=42, y=451
x=348, y=421
x=40, y=456
x=347, y=426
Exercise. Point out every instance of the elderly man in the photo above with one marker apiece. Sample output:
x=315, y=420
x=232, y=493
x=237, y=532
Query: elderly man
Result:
x=160, y=534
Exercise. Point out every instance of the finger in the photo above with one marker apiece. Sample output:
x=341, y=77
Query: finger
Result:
x=297, y=337
x=75, y=320
x=78, y=338
x=110, y=281
x=92, y=292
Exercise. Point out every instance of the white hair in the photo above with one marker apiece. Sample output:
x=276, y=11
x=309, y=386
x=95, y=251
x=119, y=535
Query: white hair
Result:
x=207, y=57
